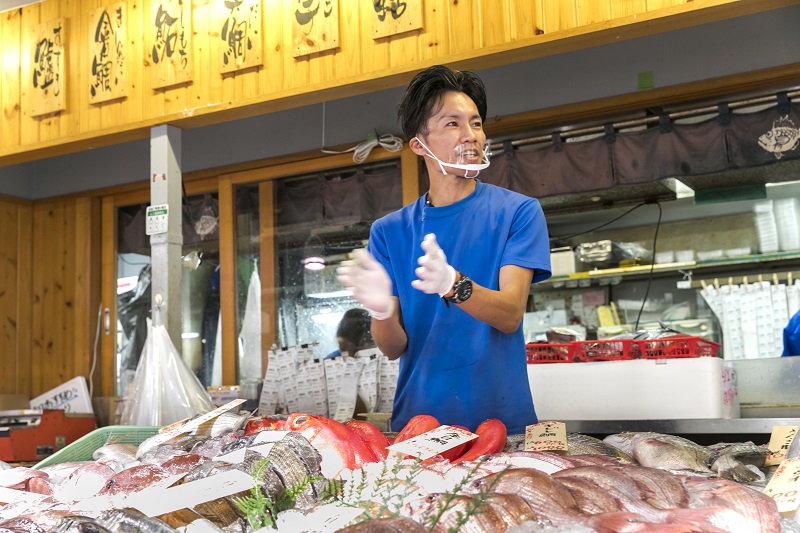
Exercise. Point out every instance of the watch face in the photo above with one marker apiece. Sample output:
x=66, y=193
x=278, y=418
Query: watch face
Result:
x=464, y=290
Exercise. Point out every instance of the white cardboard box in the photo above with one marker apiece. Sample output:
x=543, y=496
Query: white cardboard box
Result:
x=641, y=389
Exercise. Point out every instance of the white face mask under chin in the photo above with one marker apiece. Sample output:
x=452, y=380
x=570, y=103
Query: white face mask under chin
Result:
x=467, y=168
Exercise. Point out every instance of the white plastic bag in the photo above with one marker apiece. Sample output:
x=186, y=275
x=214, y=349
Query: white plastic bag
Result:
x=164, y=390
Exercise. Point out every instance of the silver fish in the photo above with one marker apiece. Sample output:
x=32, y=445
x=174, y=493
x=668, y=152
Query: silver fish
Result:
x=227, y=422
x=580, y=444
x=129, y=520
x=118, y=456
x=739, y=461
x=659, y=450
x=79, y=524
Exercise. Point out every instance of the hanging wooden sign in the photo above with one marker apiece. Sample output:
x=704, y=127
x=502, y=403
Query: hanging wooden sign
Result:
x=107, y=53
x=315, y=26
x=391, y=17
x=48, y=64
x=240, y=35
x=169, y=49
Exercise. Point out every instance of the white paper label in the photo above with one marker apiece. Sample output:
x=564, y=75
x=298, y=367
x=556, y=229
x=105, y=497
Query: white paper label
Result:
x=320, y=519
x=14, y=496
x=172, y=432
x=156, y=217
x=433, y=442
x=348, y=390
x=546, y=436
x=155, y=502
x=784, y=487
x=779, y=442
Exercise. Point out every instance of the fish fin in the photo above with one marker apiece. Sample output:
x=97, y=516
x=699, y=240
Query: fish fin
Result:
x=736, y=471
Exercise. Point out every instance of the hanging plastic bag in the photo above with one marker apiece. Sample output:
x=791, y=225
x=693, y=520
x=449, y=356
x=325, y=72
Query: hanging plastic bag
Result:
x=164, y=390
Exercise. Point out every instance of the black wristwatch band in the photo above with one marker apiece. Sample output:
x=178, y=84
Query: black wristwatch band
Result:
x=462, y=290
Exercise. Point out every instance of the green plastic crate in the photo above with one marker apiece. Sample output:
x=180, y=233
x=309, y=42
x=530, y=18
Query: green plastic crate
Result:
x=83, y=448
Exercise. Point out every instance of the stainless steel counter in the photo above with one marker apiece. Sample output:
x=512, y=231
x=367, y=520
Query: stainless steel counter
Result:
x=718, y=426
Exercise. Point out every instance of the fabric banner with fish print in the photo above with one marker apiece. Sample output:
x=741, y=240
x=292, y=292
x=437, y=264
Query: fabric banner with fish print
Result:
x=686, y=148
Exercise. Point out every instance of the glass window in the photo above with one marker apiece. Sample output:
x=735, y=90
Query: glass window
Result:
x=319, y=219
x=199, y=289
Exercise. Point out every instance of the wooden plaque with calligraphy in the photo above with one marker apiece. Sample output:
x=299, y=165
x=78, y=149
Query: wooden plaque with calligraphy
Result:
x=240, y=41
x=391, y=17
x=48, y=69
x=315, y=26
x=108, y=74
x=169, y=42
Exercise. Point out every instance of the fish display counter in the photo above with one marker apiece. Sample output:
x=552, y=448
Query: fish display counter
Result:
x=306, y=473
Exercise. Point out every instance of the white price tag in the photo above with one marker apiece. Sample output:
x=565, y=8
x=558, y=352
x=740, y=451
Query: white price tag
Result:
x=433, y=442
x=174, y=430
x=784, y=487
x=546, y=436
x=155, y=502
x=156, y=219
x=779, y=442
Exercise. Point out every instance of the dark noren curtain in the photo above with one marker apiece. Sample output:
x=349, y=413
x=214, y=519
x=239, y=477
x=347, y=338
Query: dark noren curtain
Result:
x=667, y=149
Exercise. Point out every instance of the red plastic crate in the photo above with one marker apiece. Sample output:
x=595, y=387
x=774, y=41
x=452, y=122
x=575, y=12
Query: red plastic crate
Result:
x=677, y=346
x=606, y=350
x=549, y=353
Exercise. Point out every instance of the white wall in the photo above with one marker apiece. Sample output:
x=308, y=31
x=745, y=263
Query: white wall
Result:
x=723, y=48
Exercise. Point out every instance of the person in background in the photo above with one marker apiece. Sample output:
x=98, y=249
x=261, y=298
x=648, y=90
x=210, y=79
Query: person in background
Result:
x=446, y=278
x=791, y=336
x=353, y=333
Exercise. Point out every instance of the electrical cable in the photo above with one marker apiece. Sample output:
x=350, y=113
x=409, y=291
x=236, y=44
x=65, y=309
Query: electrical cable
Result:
x=362, y=150
x=94, y=350
x=652, y=266
x=634, y=208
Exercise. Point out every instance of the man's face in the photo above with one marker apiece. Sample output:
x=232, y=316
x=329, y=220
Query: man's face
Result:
x=455, y=132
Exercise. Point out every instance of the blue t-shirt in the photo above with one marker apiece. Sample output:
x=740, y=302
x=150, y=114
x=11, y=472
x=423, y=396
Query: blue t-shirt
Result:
x=456, y=368
x=791, y=336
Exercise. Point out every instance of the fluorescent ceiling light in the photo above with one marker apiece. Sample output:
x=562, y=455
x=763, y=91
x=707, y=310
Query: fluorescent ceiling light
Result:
x=330, y=294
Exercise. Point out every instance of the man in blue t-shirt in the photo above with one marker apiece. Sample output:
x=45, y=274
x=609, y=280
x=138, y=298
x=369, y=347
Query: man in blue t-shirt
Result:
x=446, y=278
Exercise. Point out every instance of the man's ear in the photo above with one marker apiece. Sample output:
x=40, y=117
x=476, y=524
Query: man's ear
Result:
x=417, y=147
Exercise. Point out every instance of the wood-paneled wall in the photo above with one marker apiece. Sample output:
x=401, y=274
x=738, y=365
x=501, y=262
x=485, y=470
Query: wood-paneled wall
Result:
x=15, y=301
x=473, y=34
x=64, y=292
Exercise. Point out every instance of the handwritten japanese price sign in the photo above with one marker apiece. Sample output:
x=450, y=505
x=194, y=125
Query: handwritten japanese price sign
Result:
x=433, y=442
x=784, y=487
x=550, y=436
x=779, y=442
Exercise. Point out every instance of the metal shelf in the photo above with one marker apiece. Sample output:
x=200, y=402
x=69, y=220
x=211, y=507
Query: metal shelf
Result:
x=698, y=269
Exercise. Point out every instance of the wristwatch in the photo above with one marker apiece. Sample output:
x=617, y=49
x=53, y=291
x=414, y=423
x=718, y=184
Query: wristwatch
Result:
x=462, y=290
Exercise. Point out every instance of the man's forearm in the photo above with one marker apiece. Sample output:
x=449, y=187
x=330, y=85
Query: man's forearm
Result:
x=389, y=335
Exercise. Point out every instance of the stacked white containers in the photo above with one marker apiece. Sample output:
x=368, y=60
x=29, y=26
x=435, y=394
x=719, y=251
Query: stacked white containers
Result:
x=766, y=228
x=787, y=219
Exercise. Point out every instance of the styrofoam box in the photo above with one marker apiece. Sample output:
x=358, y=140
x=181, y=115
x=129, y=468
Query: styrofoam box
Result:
x=562, y=261
x=641, y=389
x=72, y=396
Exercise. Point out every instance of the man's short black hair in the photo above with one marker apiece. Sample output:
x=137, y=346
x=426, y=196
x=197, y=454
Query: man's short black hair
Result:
x=354, y=327
x=427, y=89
